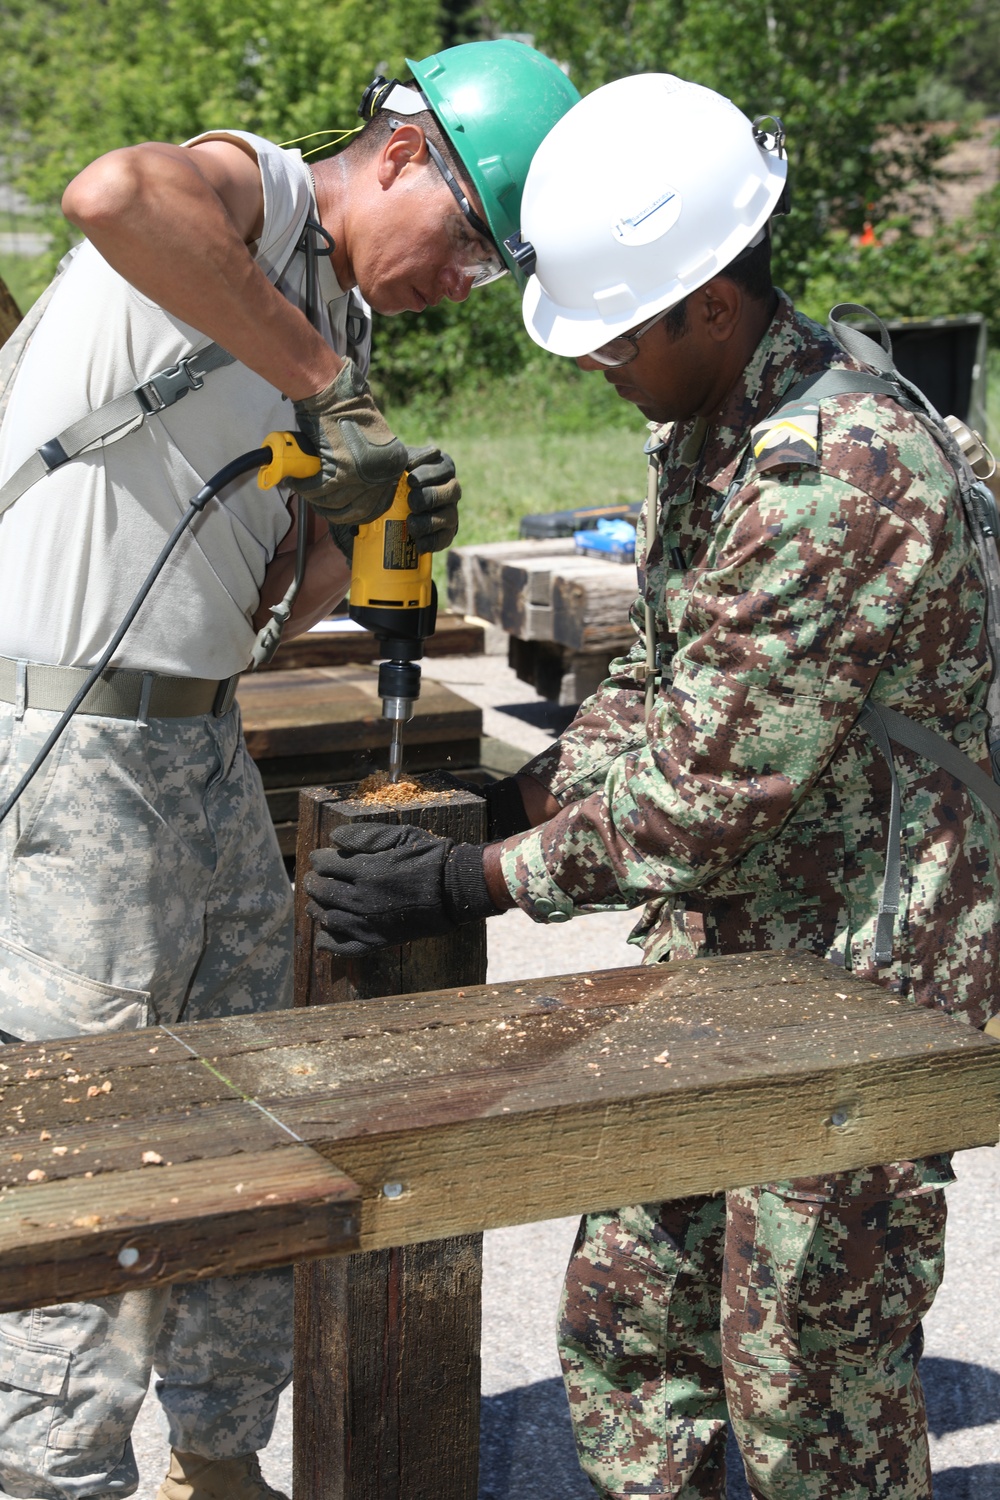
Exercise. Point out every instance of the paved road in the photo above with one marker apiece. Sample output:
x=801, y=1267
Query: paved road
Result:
x=527, y=1447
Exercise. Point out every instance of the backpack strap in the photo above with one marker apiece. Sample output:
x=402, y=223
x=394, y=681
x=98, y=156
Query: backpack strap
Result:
x=885, y=725
x=115, y=419
x=839, y=383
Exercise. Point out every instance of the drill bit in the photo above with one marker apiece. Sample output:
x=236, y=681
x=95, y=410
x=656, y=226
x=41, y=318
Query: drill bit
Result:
x=396, y=750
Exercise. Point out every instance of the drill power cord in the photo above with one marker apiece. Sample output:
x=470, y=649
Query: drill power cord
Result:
x=237, y=466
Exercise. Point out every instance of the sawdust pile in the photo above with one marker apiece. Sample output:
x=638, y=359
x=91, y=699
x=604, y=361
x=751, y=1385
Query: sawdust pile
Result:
x=377, y=788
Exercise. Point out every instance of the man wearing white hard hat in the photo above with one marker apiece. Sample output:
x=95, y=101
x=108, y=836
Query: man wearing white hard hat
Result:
x=805, y=568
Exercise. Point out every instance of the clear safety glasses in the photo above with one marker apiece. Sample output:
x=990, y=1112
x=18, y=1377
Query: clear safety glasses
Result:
x=623, y=349
x=481, y=256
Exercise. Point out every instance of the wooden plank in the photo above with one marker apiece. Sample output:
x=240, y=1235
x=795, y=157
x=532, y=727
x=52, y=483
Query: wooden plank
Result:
x=454, y=635
x=659, y=1089
x=546, y=590
x=469, y=566
x=368, y=1372
x=330, y=710
x=391, y=971
x=590, y=607
x=60, y=1242
x=390, y=1338
x=556, y=672
x=590, y=1089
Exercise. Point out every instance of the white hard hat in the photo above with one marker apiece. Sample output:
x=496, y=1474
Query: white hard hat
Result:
x=640, y=194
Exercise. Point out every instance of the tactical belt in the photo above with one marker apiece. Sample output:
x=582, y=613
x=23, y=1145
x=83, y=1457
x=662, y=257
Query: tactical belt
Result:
x=116, y=694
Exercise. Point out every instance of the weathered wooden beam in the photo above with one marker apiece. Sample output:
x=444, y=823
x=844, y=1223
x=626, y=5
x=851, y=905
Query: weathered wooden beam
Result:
x=392, y=971
x=454, y=635
x=329, y=711
x=497, y=1104
x=385, y=1339
x=546, y=591
x=171, y=1222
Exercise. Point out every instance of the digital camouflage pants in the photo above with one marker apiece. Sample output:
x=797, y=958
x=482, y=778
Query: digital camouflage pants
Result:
x=795, y=1310
x=140, y=882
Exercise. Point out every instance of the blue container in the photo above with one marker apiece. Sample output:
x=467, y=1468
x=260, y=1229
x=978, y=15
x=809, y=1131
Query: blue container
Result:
x=612, y=540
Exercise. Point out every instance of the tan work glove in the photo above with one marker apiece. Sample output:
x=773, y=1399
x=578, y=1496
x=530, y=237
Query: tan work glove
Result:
x=361, y=459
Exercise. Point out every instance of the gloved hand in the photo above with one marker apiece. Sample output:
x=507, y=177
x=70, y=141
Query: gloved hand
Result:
x=384, y=884
x=505, y=810
x=361, y=459
x=434, y=497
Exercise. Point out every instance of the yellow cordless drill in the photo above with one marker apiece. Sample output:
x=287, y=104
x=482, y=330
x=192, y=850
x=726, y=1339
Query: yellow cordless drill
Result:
x=393, y=596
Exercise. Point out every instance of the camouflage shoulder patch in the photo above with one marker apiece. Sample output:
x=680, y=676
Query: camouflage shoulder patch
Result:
x=789, y=438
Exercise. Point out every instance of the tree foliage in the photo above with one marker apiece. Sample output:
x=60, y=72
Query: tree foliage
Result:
x=80, y=77
x=903, y=274
x=842, y=78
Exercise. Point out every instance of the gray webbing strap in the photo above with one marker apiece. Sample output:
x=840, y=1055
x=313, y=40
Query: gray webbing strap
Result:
x=860, y=345
x=839, y=383
x=885, y=724
x=888, y=905
x=116, y=418
x=934, y=747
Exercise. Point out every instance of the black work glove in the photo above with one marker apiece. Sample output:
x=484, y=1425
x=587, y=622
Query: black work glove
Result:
x=505, y=811
x=383, y=884
x=361, y=458
x=434, y=497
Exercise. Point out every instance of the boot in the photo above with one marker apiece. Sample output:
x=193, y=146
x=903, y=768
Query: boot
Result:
x=192, y=1477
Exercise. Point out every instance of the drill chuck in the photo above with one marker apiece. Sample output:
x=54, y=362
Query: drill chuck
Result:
x=398, y=686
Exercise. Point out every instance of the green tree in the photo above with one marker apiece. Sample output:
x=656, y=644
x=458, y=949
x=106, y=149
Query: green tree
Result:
x=80, y=77
x=956, y=270
x=842, y=79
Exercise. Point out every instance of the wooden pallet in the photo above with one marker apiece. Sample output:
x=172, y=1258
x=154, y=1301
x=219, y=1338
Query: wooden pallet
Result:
x=567, y=615
x=454, y=635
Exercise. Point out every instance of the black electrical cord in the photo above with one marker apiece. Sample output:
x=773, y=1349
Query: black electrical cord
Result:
x=229, y=472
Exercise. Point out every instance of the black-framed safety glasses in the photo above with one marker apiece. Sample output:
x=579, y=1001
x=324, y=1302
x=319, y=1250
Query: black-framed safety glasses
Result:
x=624, y=348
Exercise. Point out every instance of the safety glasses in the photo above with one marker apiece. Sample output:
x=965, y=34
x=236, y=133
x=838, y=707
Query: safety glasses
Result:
x=623, y=349
x=482, y=256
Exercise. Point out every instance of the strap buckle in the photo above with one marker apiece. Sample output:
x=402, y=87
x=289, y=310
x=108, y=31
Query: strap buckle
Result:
x=168, y=386
x=225, y=695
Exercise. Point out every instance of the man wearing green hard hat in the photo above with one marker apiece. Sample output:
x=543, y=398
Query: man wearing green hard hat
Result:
x=142, y=881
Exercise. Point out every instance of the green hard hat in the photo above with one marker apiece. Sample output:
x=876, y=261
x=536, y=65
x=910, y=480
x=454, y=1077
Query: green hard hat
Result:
x=496, y=102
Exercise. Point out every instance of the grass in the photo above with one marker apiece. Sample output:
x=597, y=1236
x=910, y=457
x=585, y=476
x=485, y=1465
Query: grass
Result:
x=545, y=440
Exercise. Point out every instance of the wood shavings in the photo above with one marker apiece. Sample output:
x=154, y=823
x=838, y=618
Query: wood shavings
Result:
x=377, y=789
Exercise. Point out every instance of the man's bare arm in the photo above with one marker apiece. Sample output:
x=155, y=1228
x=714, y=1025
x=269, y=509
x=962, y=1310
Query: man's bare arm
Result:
x=175, y=222
x=326, y=581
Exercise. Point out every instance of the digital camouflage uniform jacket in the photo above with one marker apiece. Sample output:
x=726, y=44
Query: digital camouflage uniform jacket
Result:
x=751, y=812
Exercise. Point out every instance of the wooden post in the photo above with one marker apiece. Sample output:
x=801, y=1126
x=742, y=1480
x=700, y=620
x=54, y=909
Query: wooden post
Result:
x=387, y=1361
